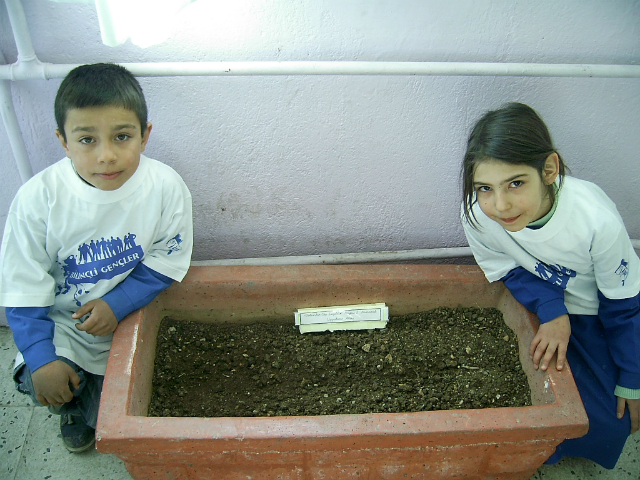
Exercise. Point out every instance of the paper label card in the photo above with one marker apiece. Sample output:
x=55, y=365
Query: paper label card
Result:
x=347, y=317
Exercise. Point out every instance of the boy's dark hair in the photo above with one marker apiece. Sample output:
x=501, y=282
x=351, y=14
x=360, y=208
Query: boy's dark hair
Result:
x=97, y=85
x=514, y=134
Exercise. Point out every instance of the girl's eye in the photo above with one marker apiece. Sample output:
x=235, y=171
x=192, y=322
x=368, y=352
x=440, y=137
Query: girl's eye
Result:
x=483, y=188
x=516, y=183
x=86, y=140
x=121, y=137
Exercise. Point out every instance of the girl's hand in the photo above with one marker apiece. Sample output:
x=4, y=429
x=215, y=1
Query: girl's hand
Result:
x=634, y=411
x=101, y=322
x=551, y=336
x=51, y=383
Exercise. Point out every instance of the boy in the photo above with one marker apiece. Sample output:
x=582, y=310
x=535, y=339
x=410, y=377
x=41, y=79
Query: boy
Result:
x=87, y=241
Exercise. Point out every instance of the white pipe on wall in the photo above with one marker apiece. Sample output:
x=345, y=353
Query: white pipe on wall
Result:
x=28, y=66
x=10, y=120
x=343, y=258
x=360, y=257
x=37, y=70
x=20, y=29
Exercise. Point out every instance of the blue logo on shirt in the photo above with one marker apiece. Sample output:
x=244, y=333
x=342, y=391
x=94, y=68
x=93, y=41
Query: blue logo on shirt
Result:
x=623, y=271
x=99, y=260
x=555, y=274
x=174, y=244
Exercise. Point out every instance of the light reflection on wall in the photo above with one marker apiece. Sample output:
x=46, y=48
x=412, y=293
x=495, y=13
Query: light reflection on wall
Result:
x=217, y=24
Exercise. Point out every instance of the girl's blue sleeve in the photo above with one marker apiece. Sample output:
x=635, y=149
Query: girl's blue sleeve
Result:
x=621, y=321
x=535, y=294
x=33, y=331
x=140, y=287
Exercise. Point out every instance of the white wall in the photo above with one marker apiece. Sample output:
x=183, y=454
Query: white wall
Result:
x=331, y=164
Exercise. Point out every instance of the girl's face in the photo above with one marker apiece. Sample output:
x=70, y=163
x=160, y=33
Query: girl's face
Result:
x=514, y=195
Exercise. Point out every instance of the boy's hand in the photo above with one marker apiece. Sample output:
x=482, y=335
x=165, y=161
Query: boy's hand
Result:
x=634, y=411
x=51, y=383
x=101, y=322
x=551, y=336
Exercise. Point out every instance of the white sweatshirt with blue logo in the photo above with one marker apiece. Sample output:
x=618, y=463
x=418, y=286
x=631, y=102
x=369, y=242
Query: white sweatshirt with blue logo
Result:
x=583, y=248
x=66, y=243
x=587, y=265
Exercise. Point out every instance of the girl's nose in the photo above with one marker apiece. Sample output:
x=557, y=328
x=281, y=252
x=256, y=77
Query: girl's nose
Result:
x=501, y=202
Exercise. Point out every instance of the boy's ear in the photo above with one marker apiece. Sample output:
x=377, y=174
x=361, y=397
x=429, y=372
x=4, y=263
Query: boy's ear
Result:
x=145, y=137
x=63, y=142
x=551, y=169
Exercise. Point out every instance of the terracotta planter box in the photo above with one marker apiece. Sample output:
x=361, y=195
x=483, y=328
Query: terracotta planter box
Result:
x=497, y=443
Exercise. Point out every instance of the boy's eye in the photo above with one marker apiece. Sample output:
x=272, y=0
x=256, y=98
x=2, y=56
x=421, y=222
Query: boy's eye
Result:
x=86, y=140
x=121, y=137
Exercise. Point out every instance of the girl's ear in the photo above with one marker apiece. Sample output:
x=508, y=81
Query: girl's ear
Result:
x=551, y=169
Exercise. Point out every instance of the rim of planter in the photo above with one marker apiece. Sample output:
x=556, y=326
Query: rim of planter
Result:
x=561, y=416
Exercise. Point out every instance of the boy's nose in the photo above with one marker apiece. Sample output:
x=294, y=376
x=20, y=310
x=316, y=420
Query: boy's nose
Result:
x=106, y=154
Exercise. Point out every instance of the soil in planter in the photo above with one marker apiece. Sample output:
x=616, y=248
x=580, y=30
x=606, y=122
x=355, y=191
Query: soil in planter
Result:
x=437, y=360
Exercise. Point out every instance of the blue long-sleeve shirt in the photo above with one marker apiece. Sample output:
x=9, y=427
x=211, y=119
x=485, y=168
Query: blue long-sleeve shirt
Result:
x=33, y=329
x=620, y=319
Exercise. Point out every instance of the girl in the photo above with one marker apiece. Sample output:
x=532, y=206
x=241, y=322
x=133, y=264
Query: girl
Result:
x=560, y=246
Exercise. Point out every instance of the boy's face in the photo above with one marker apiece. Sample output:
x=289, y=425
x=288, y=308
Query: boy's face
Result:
x=104, y=144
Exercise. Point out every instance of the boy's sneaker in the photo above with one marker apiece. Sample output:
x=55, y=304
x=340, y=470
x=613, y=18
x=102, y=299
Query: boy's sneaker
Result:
x=76, y=435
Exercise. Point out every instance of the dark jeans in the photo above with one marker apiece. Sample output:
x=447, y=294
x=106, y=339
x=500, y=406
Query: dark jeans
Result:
x=86, y=398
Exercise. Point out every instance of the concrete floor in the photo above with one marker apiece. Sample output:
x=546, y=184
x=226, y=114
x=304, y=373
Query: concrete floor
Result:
x=30, y=447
